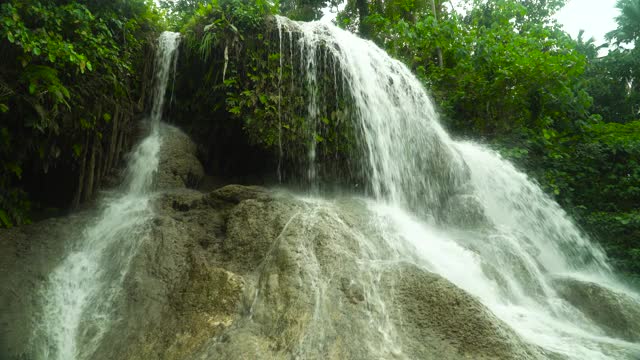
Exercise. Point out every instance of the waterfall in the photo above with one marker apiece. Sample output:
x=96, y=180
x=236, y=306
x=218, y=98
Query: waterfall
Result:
x=455, y=208
x=79, y=295
x=323, y=285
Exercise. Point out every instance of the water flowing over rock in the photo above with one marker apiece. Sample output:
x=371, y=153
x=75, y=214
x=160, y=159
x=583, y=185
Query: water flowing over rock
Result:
x=78, y=300
x=615, y=310
x=456, y=255
x=243, y=272
x=456, y=208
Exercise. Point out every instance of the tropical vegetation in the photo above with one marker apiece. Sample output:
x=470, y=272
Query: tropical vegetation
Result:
x=503, y=72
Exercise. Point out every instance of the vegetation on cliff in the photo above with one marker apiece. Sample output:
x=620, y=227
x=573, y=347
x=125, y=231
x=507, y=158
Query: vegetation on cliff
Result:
x=503, y=71
x=71, y=82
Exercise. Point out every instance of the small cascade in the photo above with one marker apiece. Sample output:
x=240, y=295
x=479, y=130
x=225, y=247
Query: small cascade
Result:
x=79, y=295
x=455, y=208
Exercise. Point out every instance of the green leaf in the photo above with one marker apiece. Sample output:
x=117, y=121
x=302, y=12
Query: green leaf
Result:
x=85, y=124
x=77, y=149
x=14, y=168
x=3, y=108
x=36, y=51
x=11, y=38
x=32, y=88
x=5, y=219
x=89, y=66
x=106, y=117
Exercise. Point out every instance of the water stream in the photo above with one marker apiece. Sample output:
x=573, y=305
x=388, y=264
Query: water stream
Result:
x=81, y=291
x=457, y=208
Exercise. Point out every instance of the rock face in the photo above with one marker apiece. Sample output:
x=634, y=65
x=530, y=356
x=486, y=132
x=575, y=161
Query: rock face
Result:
x=248, y=273
x=181, y=291
x=179, y=166
x=436, y=317
x=615, y=312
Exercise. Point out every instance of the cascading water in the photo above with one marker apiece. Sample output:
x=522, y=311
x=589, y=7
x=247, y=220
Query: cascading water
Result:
x=80, y=293
x=456, y=208
x=325, y=287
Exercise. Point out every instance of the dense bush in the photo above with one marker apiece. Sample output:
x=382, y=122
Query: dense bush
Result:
x=70, y=82
x=249, y=86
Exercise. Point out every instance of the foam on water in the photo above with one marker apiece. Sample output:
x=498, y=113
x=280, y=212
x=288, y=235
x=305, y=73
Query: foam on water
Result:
x=79, y=296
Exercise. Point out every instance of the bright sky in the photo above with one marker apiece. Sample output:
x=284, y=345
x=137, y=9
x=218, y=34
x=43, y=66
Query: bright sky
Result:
x=595, y=17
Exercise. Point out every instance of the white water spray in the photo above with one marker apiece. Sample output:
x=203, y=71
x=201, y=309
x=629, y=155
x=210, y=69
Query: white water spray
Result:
x=80, y=293
x=457, y=208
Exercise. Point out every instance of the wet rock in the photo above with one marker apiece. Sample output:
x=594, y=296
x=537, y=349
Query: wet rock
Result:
x=299, y=304
x=246, y=273
x=434, y=316
x=615, y=312
x=186, y=282
x=237, y=193
x=321, y=292
x=179, y=166
x=464, y=211
x=251, y=230
x=352, y=291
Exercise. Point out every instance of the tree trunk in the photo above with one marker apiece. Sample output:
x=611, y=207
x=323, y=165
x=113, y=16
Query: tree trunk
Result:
x=76, y=198
x=88, y=187
x=113, y=141
x=438, y=49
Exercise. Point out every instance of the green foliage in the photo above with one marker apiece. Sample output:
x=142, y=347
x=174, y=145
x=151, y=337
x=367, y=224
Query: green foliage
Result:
x=178, y=12
x=64, y=61
x=505, y=67
x=304, y=10
x=250, y=80
x=225, y=37
x=628, y=31
x=614, y=79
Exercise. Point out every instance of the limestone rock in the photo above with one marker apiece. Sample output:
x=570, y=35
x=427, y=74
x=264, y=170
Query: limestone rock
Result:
x=179, y=166
x=247, y=273
x=615, y=312
x=433, y=316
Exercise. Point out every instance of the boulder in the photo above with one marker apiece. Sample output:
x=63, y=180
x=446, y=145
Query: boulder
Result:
x=247, y=273
x=178, y=164
x=614, y=311
x=327, y=287
x=434, y=316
